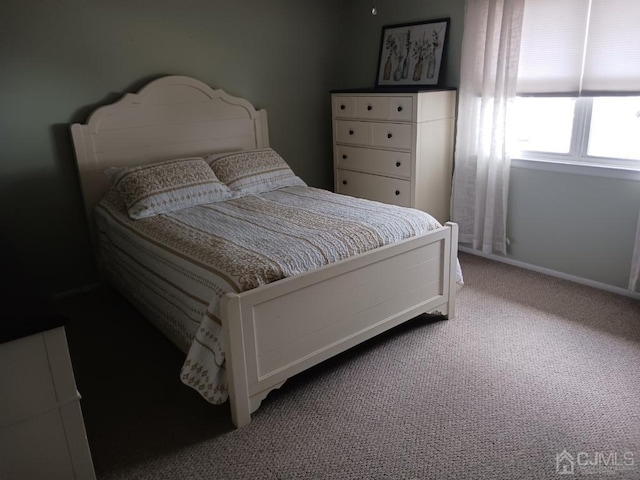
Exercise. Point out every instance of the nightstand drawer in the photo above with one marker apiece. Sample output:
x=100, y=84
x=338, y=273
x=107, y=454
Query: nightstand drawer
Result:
x=374, y=187
x=385, y=162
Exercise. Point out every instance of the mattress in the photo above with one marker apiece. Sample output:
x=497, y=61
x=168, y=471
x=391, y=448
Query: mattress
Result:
x=176, y=267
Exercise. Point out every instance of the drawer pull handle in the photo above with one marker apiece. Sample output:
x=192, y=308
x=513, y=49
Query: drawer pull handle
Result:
x=344, y=156
x=342, y=107
x=344, y=182
x=369, y=107
x=400, y=108
x=397, y=192
x=350, y=132
x=398, y=164
x=389, y=135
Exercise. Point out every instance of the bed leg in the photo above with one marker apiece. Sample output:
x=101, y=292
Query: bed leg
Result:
x=453, y=265
x=236, y=366
x=240, y=416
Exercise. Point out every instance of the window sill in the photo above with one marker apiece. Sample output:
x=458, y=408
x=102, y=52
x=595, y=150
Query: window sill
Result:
x=593, y=170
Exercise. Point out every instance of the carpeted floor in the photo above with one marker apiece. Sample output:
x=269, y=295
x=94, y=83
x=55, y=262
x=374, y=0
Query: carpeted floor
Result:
x=531, y=367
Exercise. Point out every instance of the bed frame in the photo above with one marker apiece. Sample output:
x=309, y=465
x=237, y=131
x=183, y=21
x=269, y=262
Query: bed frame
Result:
x=278, y=330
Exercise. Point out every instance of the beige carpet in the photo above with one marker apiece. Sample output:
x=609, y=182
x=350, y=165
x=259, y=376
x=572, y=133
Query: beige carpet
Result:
x=532, y=366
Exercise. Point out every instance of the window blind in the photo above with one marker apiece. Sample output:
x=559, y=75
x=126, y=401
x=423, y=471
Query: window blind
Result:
x=580, y=47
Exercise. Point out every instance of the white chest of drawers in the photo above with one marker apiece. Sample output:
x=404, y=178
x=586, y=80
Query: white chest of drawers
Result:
x=395, y=147
x=42, y=433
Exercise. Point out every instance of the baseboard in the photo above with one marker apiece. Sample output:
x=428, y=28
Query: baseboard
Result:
x=553, y=273
x=498, y=258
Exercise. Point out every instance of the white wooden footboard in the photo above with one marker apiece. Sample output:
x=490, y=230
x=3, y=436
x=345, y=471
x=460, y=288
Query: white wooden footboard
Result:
x=278, y=330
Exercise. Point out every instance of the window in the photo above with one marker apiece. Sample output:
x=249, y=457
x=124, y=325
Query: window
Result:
x=615, y=128
x=539, y=130
x=579, y=82
x=596, y=130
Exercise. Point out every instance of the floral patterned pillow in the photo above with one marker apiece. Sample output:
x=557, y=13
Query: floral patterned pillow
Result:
x=164, y=187
x=253, y=171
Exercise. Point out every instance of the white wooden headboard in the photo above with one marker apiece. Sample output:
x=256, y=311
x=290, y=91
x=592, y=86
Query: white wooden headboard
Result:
x=171, y=117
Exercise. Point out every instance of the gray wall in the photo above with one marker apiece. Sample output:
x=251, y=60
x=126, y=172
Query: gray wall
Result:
x=361, y=42
x=60, y=60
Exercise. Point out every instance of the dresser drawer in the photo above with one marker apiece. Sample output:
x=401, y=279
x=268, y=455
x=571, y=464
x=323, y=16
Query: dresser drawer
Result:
x=374, y=134
x=358, y=133
x=391, y=135
x=384, y=108
x=391, y=108
x=374, y=187
x=386, y=162
x=343, y=106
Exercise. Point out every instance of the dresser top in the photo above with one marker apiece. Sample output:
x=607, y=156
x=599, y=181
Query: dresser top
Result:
x=393, y=90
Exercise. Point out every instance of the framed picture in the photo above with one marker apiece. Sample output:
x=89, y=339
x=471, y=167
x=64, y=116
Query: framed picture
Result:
x=411, y=53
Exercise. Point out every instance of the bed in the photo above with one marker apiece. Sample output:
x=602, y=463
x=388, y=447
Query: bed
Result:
x=244, y=337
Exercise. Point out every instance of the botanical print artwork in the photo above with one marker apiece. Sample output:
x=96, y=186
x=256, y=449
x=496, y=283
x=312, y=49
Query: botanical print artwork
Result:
x=411, y=54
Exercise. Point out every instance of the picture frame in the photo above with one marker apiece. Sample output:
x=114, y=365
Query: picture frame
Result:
x=411, y=54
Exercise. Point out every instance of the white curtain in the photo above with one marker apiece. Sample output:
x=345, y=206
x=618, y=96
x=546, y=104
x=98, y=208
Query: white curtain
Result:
x=634, y=279
x=488, y=80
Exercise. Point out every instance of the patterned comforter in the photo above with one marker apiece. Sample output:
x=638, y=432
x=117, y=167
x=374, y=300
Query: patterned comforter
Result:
x=176, y=267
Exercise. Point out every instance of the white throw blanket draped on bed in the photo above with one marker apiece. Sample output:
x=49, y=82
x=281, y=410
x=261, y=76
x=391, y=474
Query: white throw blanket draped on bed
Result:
x=178, y=266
